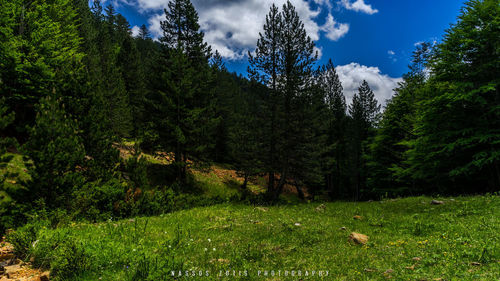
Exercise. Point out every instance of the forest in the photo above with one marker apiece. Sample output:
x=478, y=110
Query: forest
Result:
x=78, y=91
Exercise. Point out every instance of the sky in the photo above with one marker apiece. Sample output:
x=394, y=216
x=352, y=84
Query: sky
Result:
x=368, y=40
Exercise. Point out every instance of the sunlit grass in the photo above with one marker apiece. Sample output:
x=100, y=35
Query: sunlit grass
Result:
x=409, y=239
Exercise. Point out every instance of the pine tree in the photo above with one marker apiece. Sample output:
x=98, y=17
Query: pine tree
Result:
x=387, y=165
x=186, y=100
x=264, y=68
x=57, y=154
x=283, y=61
x=364, y=112
x=335, y=157
x=144, y=33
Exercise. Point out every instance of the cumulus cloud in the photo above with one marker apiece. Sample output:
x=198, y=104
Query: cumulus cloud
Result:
x=232, y=27
x=391, y=53
x=358, y=6
x=334, y=30
x=135, y=31
x=351, y=76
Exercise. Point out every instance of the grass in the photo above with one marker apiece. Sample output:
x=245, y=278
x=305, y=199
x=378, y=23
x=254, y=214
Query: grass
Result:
x=409, y=240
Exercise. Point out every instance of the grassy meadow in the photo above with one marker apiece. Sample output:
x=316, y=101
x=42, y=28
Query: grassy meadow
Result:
x=409, y=239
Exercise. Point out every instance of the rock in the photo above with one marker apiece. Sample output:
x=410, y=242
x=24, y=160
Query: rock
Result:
x=437, y=202
x=410, y=267
x=219, y=260
x=358, y=238
x=357, y=217
x=417, y=258
x=370, y=270
x=343, y=228
x=321, y=208
x=11, y=270
x=297, y=224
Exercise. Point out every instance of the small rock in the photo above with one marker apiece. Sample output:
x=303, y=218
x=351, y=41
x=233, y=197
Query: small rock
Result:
x=358, y=238
x=410, y=267
x=357, y=217
x=343, y=228
x=437, y=202
x=417, y=258
x=12, y=270
x=321, y=208
x=297, y=224
x=219, y=260
x=370, y=270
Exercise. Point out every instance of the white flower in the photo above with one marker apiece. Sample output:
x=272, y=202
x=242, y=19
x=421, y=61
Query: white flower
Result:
x=214, y=249
x=206, y=249
x=134, y=250
x=209, y=240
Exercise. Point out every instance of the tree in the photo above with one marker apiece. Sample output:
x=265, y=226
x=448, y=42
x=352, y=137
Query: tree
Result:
x=335, y=154
x=186, y=100
x=264, y=68
x=57, y=153
x=283, y=62
x=364, y=112
x=387, y=165
x=457, y=145
x=144, y=33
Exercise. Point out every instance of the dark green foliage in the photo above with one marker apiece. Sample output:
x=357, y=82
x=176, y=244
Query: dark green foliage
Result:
x=335, y=162
x=387, y=165
x=364, y=112
x=457, y=125
x=284, y=62
x=183, y=108
x=57, y=153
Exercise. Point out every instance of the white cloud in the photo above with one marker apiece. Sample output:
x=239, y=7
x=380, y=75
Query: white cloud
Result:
x=358, y=6
x=334, y=30
x=232, y=27
x=135, y=31
x=351, y=75
x=391, y=53
x=155, y=26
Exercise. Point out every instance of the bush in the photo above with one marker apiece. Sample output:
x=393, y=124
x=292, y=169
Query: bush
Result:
x=99, y=201
x=24, y=237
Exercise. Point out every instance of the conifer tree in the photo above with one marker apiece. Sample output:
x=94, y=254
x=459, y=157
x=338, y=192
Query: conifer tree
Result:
x=364, y=112
x=57, y=153
x=264, y=68
x=335, y=154
x=186, y=102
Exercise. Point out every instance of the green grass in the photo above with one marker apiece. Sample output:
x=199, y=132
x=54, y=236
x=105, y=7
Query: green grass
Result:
x=447, y=239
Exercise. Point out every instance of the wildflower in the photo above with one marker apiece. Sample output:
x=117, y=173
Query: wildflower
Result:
x=206, y=249
x=214, y=249
x=209, y=240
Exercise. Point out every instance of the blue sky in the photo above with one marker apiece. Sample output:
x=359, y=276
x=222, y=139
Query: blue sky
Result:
x=366, y=39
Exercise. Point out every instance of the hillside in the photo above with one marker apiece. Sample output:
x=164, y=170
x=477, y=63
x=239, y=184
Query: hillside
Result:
x=409, y=239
